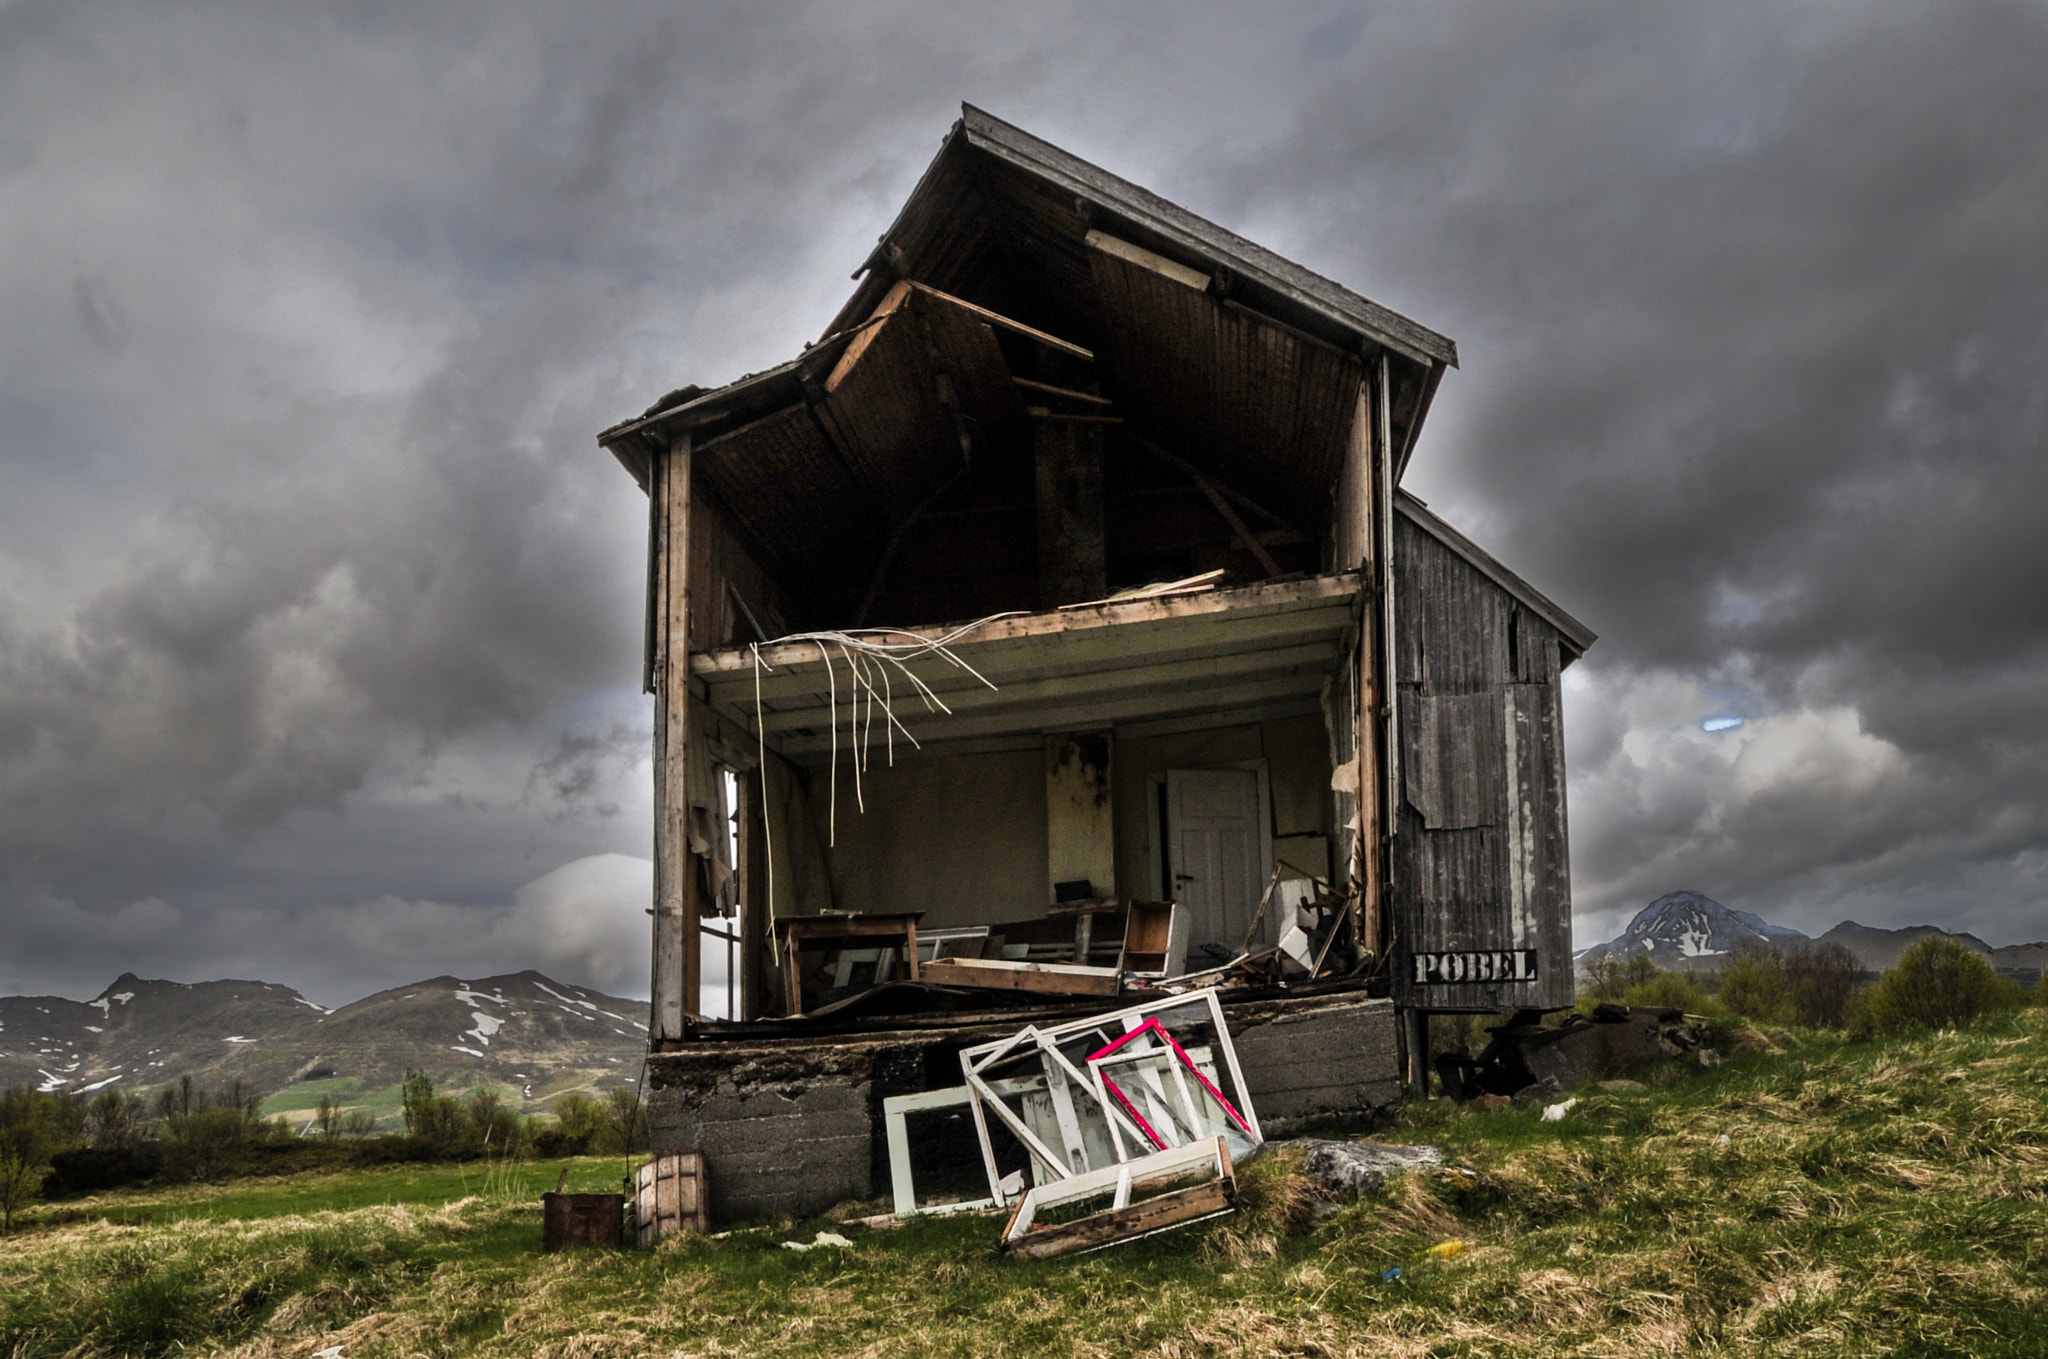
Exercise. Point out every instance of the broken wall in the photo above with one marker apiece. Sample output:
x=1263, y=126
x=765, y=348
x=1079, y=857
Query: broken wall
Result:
x=794, y=1126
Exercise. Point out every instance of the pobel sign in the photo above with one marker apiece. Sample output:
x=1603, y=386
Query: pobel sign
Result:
x=1498, y=965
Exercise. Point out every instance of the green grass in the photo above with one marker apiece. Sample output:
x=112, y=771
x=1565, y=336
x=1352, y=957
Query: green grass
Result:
x=1831, y=1200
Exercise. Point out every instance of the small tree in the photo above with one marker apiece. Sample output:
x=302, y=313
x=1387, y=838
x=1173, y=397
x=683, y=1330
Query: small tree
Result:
x=417, y=1098
x=1611, y=978
x=327, y=1118
x=34, y=1126
x=1753, y=985
x=1820, y=979
x=1937, y=984
x=113, y=1120
x=626, y=1120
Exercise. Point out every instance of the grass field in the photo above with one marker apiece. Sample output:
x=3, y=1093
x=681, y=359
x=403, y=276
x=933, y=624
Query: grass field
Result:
x=1831, y=1200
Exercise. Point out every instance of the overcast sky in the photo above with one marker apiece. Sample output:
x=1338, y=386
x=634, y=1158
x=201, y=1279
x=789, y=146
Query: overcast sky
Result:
x=319, y=607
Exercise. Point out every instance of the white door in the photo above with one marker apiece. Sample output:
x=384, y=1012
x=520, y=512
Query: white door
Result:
x=1214, y=854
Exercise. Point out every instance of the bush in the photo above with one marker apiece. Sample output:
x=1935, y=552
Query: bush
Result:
x=1753, y=985
x=85, y=1170
x=1820, y=981
x=1610, y=979
x=1938, y=984
x=1673, y=991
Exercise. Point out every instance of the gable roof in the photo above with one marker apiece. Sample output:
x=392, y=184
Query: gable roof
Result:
x=1578, y=638
x=1242, y=363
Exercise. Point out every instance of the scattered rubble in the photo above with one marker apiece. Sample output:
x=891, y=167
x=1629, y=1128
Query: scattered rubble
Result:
x=1528, y=1059
x=1352, y=1169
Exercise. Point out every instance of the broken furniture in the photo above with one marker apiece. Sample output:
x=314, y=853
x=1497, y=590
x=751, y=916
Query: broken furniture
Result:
x=1194, y=1183
x=1155, y=941
x=1110, y=1088
x=894, y=933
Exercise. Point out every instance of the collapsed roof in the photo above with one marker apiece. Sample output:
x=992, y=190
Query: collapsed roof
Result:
x=1020, y=283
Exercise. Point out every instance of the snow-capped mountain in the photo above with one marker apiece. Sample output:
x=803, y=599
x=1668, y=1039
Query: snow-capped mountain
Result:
x=1682, y=931
x=525, y=1031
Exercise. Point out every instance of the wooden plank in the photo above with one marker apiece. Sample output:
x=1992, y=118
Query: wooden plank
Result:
x=1015, y=327
x=676, y=945
x=1074, y=687
x=1042, y=978
x=1064, y=392
x=1174, y=1208
x=1244, y=601
x=891, y=300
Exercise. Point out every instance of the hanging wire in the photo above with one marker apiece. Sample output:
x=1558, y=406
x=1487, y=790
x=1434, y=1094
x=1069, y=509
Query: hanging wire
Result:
x=866, y=657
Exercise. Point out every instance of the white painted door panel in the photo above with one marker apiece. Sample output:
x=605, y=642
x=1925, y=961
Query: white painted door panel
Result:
x=1214, y=853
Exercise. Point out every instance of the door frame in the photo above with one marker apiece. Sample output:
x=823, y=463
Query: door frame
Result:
x=1155, y=824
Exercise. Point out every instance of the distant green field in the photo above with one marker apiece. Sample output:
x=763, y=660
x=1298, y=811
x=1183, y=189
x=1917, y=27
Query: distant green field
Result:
x=385, y=1103
x=429, y=1185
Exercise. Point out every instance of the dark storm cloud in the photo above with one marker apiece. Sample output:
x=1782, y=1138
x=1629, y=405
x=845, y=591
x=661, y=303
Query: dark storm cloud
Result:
x=319, y=611
x=1754, y=328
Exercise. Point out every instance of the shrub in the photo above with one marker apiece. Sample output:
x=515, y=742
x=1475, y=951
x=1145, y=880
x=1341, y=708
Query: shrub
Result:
x=1753, y=985
x=1938, y=984
x=84, y=1170
x=1610, y=979
x=34, y=1126
x=1820, y=980
x=1673, y=991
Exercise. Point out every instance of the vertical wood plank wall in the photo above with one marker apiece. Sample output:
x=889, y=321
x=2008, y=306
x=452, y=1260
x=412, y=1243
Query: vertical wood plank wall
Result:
x=1479, y=857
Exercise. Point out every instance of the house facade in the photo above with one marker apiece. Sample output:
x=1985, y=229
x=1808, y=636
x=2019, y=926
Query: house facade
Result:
x=1067, y=575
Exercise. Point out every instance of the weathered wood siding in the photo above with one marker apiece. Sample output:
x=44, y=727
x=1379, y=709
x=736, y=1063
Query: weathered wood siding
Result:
x=1479, y=855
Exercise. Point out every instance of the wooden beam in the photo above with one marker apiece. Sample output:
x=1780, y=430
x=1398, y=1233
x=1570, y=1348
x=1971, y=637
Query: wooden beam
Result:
x=677, y=949
x=1148, y=260
x=1237, y=525
x=1247, y=601
x=1063, y=392
x=732, y=695
x=1368, y=872
x=898, y=293
x=1080, y=686
x=1187, y=468
x=1015, y=327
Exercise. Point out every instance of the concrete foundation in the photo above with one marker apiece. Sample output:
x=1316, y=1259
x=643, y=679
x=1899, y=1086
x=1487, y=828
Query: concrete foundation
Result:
x=790, y=1126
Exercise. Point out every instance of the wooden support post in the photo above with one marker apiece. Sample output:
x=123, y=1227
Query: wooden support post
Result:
x=677, y=947
x=1374, y=810
x=757, y=981
x=1415, y=1036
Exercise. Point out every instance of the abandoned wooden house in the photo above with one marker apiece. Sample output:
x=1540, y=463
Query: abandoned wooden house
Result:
x=1067, y=575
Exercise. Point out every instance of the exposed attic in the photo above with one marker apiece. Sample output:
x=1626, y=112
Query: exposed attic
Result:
x=1048, y=385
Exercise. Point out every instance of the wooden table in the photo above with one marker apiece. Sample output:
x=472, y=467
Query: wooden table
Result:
x=880, y=930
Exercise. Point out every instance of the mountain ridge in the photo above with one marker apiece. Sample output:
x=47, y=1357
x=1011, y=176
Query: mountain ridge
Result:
x=1688, y=931
x=523, y=1030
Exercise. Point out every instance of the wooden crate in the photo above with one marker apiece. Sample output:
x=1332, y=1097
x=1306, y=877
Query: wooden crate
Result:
x=670, y=1194
x=568, y=1220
